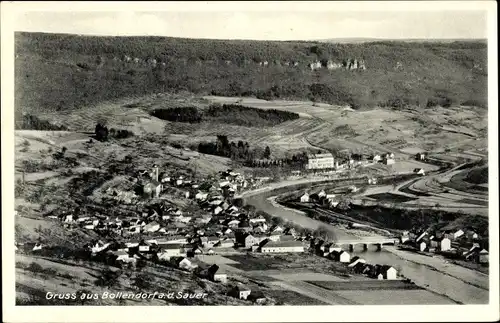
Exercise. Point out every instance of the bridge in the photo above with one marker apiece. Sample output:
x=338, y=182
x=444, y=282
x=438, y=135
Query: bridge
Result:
x=378, y=242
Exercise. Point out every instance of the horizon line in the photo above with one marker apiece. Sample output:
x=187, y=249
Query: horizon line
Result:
x=263, y=40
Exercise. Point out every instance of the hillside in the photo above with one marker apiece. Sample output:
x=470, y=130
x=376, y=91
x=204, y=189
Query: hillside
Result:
x=61, y=72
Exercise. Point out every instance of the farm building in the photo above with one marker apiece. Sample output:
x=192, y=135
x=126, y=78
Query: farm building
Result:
x=283, y=246
x=304, y=198
x=240, y=292
x=320, y=161
x=420, y=156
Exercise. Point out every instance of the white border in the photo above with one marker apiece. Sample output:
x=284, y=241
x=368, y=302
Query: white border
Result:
x=434, y=313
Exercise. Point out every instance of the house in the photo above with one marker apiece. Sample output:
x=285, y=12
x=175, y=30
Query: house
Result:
x=233, y=223
x=250, y=240
x=170, y=250
x=388, y=161
x=458, y=234
x=227, y=243
x=259, y=219
x=215, y=274
x=320, y=161
x=201, y=196
x=218, y=210
x=99, y=246
x=420, y=156
x=275, y=236
x=341, y=256
x=277, y=229
x=283, y=246
x=445, y=244
x=304, y=198
x=471, y=235
x=68, y=218
x=419, y=171
x=210, y=241
x=174, y=239
x=421, y=236
x=38, y=246
x=152, y=227
x=387, y=272
x=240, y=292
x=152, y=188
x=422, y=246
x=484, y=256
x=404, y=238
x=257, y=297
x=355, y=261
x=122, y=256
x=144, y=247
x=184, y=263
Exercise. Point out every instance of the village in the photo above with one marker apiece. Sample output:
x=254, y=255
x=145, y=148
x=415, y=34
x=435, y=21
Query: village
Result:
x=170, y=236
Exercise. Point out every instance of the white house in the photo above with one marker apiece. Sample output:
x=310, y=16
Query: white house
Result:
x=201, y=196
x=341, y=256
x=420, y=237
x=458, y=234
x=320, y=161
x=422, y=246
x=322, y=193
x=153, y=187
x=283, y=246
x=304, y=198
x=484, y=256
x=390, y=273
x=445, y=244
x=152, y=227
x=357, y=261
x=218, y=210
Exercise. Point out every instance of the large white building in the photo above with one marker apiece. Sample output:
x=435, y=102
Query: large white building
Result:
x=320, y=161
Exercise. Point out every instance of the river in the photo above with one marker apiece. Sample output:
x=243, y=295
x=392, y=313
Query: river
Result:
x=453, y=287
x=457, y=283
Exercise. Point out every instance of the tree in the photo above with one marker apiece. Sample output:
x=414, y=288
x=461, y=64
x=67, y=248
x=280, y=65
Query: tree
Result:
x=325, y=233
x=101, y=132
x=267, y=152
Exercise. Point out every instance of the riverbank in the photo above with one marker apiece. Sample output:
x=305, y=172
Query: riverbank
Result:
x=469, y=276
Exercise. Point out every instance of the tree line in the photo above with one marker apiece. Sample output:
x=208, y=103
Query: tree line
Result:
x=102, y=133
x=226, y=113
x=31, y=122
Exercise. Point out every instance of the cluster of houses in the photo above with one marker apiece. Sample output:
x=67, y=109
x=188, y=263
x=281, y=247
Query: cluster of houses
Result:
x=458, y=243
x=323, y=197
x=355, y=264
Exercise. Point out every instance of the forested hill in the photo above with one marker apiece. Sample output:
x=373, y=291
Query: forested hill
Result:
x=59, y=72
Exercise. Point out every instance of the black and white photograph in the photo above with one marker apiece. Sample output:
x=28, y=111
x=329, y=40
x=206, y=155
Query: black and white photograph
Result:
x=285, y=155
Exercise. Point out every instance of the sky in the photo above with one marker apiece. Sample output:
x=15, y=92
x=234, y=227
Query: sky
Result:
x=278, y=23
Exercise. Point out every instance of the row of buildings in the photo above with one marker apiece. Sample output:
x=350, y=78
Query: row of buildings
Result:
x=461, y=243
x=355, y=264
x=326, y=161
